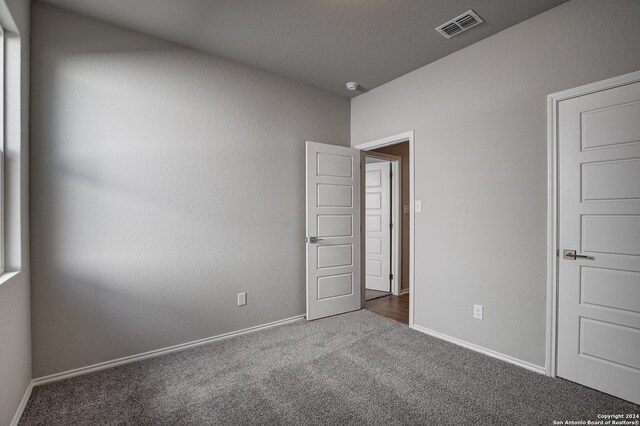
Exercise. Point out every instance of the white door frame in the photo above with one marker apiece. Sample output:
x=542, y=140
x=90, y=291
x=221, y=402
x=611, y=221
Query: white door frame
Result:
x=553, y=205
x=379, y=143
x=396, y=218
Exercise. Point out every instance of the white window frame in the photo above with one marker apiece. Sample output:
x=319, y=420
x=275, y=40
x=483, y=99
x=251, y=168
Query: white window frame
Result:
x=2, y=149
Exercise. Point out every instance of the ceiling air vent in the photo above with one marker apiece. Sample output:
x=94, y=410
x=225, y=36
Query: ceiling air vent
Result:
x=461, y=23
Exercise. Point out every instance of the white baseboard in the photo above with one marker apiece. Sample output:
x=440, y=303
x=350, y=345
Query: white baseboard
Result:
x=405, y=291
x=23, y=405
x=151, y=354
x=520, y=363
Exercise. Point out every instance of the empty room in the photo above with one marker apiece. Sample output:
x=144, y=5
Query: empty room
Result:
x=336, y=212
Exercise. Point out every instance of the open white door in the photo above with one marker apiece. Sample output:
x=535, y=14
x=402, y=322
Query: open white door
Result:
x=333, y=230
x=377, y=226
x=599, y=239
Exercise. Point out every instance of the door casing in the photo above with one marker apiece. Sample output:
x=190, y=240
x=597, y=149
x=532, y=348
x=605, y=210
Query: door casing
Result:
x=379, y=143
x=553, y=205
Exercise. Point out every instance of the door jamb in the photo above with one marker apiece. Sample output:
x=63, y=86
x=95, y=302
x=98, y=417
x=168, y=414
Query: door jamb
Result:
x=396, y=219
x=553, y=205
x=379, y=143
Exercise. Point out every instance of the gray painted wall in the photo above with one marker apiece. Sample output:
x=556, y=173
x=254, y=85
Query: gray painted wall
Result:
x=164, y=181
x=481, y=164
x=15, y=321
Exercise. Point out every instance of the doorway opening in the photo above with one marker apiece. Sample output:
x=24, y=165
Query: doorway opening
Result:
x=383, y=273
x=387, y=217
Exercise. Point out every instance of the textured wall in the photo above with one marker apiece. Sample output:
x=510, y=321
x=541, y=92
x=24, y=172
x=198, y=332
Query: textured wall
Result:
x=402, y=150
x=479, y=117
x=15, y=321
x=164, y=182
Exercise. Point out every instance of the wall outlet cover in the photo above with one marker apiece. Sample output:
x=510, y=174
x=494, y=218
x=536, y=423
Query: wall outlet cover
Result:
x=478, y=311
x=242, y=299
x=418, y=208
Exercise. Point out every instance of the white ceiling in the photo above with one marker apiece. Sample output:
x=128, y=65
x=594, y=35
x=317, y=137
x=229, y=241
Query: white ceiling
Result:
x=325, y=43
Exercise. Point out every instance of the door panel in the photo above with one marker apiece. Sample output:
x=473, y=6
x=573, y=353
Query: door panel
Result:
x=599, y=217
x=611, y=234
x=374, y=178
x=611, y=342
x=374, y=223
x=335, y=165
x=607, y=180
x=334, y=195
x=378, y=218
x=335, y=286
x=610, y=288
x=374, y=201
x=374, y=245
x=336, y=255
x=335, y=225
x=333, y=217
x=611, y=125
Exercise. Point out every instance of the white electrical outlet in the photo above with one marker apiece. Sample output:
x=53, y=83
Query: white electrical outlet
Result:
x=242, y=299
x=477, y=311
x=418, y=208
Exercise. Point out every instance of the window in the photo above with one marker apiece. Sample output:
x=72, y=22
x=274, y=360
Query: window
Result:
x=2, y=152
x=14, y=110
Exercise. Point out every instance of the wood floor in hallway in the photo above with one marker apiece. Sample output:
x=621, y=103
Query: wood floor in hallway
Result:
x=394, y=307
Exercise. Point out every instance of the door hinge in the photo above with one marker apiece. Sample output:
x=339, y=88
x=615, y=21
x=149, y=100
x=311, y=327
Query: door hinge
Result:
x=390, y=276
x=391, y=226
x=391, y=173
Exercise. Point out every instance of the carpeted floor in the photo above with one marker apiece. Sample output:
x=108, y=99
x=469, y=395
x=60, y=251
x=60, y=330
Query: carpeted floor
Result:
x=357, y=368
x=374, y=294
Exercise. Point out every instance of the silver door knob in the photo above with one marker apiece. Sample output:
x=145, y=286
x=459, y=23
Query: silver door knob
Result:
x=572, y=255
x=312, y=240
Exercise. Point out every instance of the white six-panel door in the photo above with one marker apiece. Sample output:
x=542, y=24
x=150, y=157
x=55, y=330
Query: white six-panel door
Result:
x=377, y=220
x=333, y=229
x=599, y=218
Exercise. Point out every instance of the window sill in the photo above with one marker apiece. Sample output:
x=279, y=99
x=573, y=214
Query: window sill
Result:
x=6, y=276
